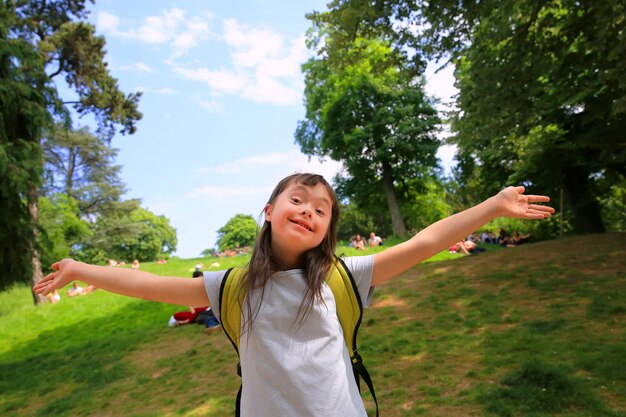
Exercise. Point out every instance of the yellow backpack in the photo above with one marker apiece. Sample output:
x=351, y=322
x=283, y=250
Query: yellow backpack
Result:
x=349, y=312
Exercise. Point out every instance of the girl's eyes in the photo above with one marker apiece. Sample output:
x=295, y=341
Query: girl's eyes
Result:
x=297, y=201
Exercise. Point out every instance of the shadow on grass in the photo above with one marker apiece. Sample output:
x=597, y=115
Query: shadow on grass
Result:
x=76, y=360
x=537, y=387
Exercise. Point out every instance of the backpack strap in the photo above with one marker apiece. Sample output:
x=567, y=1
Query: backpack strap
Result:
x=231, y=299
x=350, y=313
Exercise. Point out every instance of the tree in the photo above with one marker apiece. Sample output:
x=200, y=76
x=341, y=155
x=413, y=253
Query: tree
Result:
x=542, y=89
x=239, y=231
x=42, y=40
x=81, y=165
x=62, y=228
x=127, y=232
x=367, y=112
x=552, y=99
x=22, y=112
x=353, y=221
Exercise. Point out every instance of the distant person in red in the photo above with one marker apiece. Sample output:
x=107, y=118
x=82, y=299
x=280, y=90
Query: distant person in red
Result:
x=189, y=316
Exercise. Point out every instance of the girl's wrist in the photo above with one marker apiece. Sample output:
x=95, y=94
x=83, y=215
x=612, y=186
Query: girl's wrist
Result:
x=493, y=207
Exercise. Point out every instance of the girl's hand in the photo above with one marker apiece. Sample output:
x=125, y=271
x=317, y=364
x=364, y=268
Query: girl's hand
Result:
x=511, y=202
x=58, y=279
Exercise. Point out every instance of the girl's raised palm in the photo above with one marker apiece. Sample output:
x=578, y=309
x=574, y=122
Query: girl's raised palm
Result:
x=512, y=202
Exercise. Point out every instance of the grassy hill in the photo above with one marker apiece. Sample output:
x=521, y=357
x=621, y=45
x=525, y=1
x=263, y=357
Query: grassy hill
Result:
x=537, y=330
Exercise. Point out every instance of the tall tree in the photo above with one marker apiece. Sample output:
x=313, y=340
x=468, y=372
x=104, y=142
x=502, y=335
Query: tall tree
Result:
x=543, y=98
x=364, y=110
x=22, y=112
x=81, y=165
x=43, y=40
x=542, y=88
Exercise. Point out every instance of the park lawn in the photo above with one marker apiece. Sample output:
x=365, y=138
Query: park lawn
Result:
x=537, y=330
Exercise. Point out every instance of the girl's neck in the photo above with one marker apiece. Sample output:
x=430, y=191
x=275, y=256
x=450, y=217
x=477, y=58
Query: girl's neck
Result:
x=286, y=258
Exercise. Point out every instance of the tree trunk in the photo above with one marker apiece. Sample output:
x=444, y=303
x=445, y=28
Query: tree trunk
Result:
x=587, y=214
x=33, y=207
x=397, y=223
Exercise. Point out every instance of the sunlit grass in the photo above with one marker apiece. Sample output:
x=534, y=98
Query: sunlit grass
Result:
x=535, y=331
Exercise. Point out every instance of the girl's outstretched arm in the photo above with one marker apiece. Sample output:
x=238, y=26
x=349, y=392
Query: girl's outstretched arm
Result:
x=510, y=202
x=130, y=282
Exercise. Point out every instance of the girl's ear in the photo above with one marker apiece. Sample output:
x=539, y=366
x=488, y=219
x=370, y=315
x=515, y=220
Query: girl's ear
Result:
x=268, y=212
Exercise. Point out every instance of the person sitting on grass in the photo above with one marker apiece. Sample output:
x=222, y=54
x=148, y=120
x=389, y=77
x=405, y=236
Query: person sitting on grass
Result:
x=358, y=243
x=374, y=240
x=518, y=239
x=54, y=297
x=466, y=247
x=75, y=290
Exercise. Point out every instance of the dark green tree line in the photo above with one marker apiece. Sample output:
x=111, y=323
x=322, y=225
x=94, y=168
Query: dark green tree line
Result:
x=43, y=43
x=542, y=91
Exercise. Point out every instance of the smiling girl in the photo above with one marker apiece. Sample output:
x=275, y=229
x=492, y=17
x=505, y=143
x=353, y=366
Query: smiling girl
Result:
x=294, y=360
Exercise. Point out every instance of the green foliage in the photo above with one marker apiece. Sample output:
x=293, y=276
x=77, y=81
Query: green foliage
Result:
x=532, y=105
x=23, y=110
x=81, y=165
x=38, y=42
x=127, y=232
x=425, y=203
x=239, y=231
x=542, y=91
x=353, y=221
x=208, y=252
x=613, y=204
x=365, y=110
x=62, y=228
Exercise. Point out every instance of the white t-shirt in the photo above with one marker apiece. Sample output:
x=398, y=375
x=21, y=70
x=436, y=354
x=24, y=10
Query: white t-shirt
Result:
x=297, y=371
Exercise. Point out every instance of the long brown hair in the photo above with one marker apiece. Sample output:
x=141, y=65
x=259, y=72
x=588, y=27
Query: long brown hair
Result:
x=317, y=261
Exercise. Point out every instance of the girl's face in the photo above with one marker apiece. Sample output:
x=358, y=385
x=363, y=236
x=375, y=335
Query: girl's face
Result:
x=300, y=217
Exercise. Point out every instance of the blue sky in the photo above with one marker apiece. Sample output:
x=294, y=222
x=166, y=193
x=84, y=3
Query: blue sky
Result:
x=222, y=94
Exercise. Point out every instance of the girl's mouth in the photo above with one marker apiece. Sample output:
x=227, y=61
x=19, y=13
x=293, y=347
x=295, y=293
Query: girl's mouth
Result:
x=301, y=224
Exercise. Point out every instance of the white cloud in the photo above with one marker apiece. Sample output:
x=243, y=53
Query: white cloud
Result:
x=108, y=22
x=228, y=191
x=164, y=91
x=210, y=105
x=251, y=45
x=290, y=162
x=265, y=66
x=172, y=27
x=143, y=67
x=221, y=82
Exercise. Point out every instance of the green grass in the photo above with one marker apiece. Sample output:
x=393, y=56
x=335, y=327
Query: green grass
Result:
x=537, y=331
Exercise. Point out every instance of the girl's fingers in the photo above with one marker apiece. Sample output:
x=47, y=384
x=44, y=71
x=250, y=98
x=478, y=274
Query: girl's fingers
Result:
x=538, y=198
x=45, y=285
x=541, y=208
x=538, y=214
